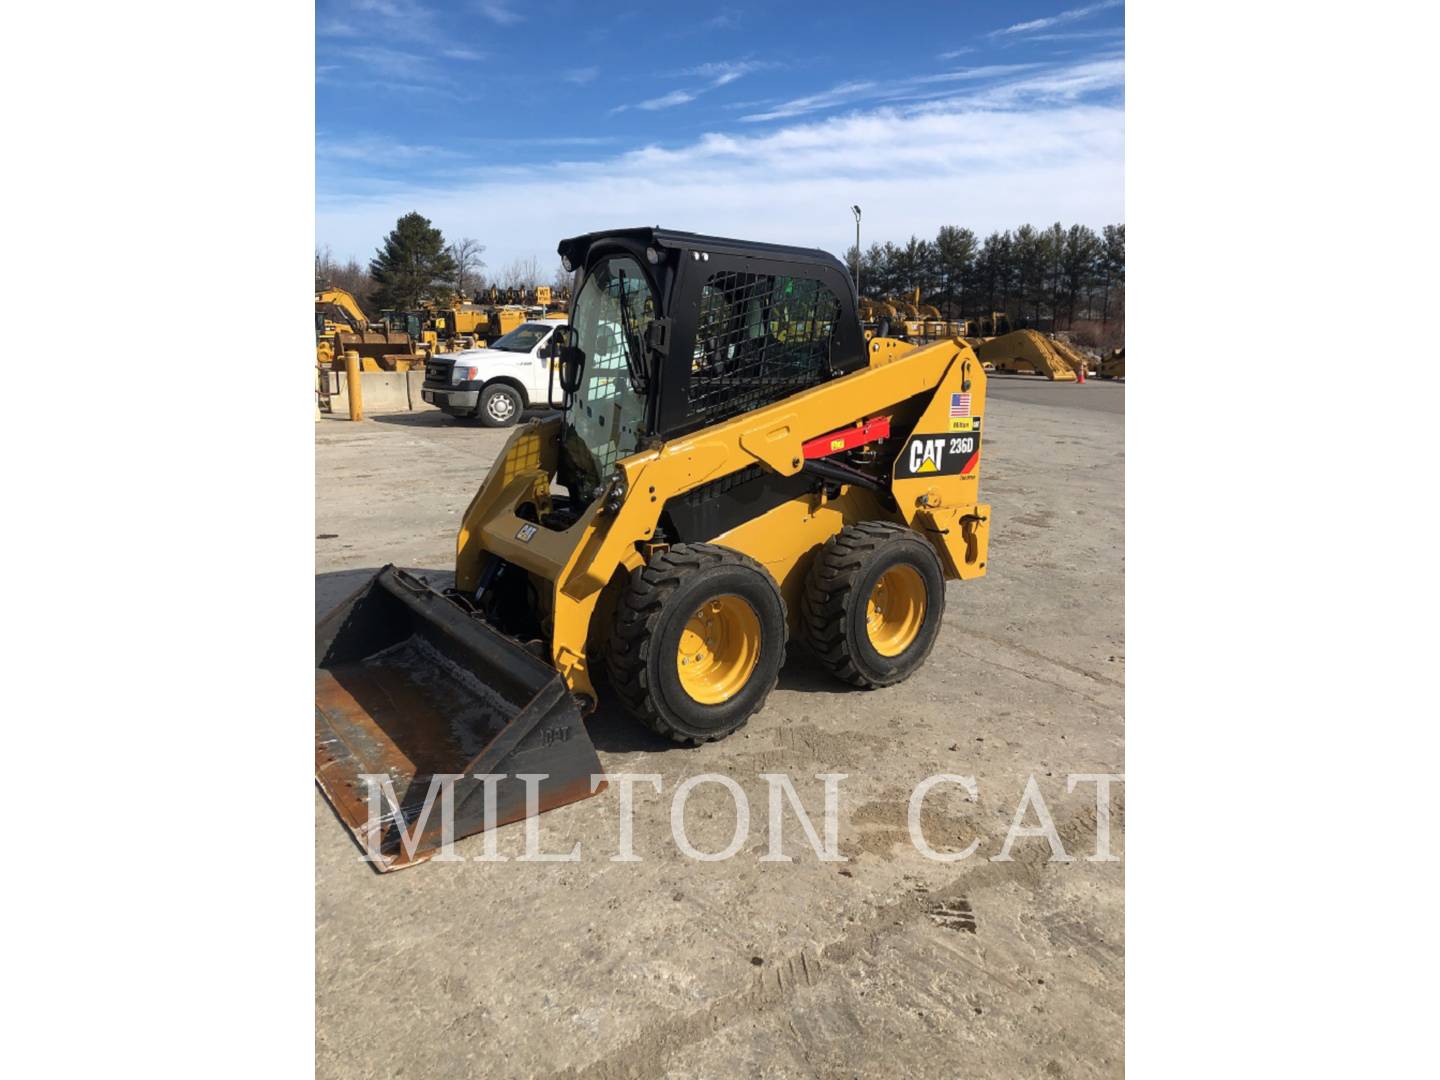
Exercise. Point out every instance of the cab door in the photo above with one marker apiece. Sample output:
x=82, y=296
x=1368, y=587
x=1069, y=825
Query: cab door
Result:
x=538, y=385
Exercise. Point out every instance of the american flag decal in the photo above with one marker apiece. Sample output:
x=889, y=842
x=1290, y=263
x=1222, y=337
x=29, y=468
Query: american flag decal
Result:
x=959, y=404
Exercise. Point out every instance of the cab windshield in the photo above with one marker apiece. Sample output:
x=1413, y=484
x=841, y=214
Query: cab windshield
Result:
x=607, y=413
x=522, y=339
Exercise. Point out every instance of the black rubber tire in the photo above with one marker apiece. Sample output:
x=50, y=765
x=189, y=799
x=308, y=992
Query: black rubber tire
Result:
x=649, y=619
x=490, y=394
x=839, y=585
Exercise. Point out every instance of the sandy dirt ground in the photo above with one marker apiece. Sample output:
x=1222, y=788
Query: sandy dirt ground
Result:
x=888, y=964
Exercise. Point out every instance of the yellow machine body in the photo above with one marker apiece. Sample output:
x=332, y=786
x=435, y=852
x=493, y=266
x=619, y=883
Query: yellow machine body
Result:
x=578, y=566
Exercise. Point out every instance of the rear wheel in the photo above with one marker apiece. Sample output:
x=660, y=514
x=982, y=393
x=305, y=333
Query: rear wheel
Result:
x=873, y=603
x=500, y=405
x=698, y=641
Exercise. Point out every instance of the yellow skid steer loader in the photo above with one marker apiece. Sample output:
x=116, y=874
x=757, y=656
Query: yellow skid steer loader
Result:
x=733, y=466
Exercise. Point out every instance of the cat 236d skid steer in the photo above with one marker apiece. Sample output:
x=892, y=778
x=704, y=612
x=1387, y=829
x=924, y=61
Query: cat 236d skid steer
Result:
x=734, y=466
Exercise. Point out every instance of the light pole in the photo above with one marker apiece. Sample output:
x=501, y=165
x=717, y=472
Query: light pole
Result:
x=856, y=211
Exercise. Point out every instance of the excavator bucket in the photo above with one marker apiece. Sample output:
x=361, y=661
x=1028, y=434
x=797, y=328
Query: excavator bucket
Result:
x=1025, y=351
x=414, y=695
x=1071, y=355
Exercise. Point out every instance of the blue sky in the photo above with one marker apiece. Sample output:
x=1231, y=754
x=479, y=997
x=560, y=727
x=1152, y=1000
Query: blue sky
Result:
x=520, y=124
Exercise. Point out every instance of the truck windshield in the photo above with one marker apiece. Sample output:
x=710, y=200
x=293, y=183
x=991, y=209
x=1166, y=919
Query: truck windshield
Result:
x=522, y=339
x=609, y=318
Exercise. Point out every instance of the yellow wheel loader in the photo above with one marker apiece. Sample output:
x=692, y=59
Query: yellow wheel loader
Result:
x=734, y=467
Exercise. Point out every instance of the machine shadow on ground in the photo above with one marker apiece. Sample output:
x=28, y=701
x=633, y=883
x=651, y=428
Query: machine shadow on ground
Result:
x=430, y=418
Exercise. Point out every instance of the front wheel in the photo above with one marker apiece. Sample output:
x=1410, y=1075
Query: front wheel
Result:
x=698, y=641
x=500, y=405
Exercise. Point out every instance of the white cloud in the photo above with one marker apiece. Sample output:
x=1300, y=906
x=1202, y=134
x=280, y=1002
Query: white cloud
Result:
x=1077, y=35
x=499, y=13
x=581, y=76
x=394, y=68
x=457, y=53
x=664, y=101
x=1056, y=20
x=370, y=149
x=889, y=90
x=1066, y=84
x=667, y=101
x=1029, y=153
x=836, y=95
x=376, y=21
x=721, y=73
x=389, y=9
x=724, y=72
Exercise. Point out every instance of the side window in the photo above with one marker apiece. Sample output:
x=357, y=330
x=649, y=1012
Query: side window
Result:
x=758, y=338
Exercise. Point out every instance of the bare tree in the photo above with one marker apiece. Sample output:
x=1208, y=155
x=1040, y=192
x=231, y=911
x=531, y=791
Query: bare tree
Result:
x=349, y=275
x=466, y=254
x=521, y=274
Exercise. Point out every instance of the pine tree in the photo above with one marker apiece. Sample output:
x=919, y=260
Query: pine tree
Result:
x=1077, y=263
x=1112, y=269
x=413, y=266
x=955, y=256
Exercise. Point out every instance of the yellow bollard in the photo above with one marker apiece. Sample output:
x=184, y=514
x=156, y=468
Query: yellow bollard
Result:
x=352, y=385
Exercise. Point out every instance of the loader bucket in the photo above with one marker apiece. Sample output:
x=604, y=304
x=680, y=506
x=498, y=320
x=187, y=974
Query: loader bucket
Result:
x=411, y=687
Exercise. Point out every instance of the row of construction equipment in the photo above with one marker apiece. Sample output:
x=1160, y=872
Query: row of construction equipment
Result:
x=401, y=340
x=997, y=343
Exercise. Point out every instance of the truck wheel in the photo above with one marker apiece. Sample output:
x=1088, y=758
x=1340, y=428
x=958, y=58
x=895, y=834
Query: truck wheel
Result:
x=500, y=405
x=873, y=602
x=698, y=641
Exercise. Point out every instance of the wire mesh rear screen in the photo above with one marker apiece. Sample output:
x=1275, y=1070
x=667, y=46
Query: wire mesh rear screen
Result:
x=759, y=338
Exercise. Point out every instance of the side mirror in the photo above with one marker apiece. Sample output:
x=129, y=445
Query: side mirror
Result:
x=558, y=339
x=572, y=368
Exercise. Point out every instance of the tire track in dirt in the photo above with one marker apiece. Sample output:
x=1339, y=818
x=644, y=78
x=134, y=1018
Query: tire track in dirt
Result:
x=783, y=983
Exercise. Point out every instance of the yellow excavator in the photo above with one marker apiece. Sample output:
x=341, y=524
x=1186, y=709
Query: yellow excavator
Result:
x=734, y=467
x=342, y=326
x=1031, y=353
x=337, y=309
x=999, y=347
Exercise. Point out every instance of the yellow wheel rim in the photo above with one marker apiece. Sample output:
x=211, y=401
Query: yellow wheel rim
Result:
x=896, y=610
x=719, y=649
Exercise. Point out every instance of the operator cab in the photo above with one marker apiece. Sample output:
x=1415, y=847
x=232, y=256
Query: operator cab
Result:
x=674, y=331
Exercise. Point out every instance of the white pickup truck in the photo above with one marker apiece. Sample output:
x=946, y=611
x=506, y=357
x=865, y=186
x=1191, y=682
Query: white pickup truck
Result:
x=495, y=384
